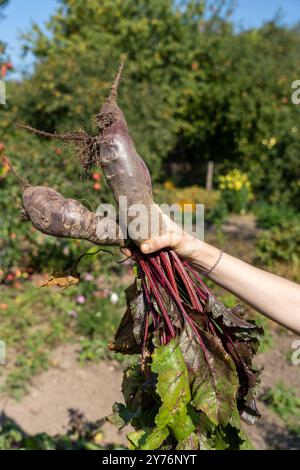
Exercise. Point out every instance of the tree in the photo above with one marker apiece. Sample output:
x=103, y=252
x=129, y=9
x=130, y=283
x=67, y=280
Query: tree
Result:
x=242, y=115
x=160, y=38
x=194, y=90
x=3, y=59
x=2, y=46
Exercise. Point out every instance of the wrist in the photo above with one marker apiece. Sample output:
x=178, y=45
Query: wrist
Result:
x=200, y=254
x=189, y=247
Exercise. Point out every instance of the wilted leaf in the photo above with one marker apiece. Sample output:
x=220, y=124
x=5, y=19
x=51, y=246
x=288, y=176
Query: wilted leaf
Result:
x=229, y=317
x=132, y=383
x=214, y=381
x=122, y=415
x=124, y=341
x=137, y=309
x=129, y=334
x=171, y=308
x=241, y=339
x=220, y=437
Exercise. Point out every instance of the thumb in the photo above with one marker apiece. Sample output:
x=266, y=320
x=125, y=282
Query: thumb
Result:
x=155, y=244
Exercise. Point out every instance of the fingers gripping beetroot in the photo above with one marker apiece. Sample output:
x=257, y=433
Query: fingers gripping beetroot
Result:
x=196, y=378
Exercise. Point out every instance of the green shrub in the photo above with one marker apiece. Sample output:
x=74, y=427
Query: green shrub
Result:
x=284, y=402
x=236, y=191
x=280, y=244
x=169, y=194
x=269, y=216
x=217, y=214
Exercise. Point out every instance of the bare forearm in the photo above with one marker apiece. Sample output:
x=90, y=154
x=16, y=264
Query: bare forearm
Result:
x=271, y=295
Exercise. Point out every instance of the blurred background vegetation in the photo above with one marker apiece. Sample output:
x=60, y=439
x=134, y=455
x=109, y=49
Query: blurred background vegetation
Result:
x=194, y=90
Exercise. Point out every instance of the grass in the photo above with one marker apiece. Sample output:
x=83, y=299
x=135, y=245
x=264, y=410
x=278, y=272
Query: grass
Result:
x=285, y=402
x=34, y=321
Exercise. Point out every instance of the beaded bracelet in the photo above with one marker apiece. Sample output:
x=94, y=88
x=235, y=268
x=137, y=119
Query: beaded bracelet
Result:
x=215, y=265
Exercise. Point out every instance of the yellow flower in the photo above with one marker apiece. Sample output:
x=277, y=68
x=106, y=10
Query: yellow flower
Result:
x=235, y=180
x=169, y=185
x=98, y=438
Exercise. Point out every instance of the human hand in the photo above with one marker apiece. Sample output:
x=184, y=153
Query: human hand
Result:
x=174, y=237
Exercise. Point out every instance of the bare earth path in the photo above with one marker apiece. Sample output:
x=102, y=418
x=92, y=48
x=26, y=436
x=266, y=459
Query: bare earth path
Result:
x=270, y=432
x=91, y=390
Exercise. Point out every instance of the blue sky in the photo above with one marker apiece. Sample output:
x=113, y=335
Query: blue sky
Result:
x=20, y=14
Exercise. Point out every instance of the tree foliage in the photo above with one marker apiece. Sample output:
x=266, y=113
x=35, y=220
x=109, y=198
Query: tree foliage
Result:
x=194, y=88
x=2, y=45
x=242, y=115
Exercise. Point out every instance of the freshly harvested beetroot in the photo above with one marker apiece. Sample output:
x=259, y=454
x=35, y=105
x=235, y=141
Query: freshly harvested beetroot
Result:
x=196, y=378
x=52, y=214
x=125, y=171
x=55, y=215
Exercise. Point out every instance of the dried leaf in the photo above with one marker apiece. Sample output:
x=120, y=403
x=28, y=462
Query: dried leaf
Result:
x=62, y=280
x=124, y=341
x=129, y=334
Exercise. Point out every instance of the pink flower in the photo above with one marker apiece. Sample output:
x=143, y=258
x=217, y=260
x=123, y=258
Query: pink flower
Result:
x=73, y=314
x=80, y=299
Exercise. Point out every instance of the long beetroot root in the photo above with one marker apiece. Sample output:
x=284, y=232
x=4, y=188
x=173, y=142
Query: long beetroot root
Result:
x=52, y=214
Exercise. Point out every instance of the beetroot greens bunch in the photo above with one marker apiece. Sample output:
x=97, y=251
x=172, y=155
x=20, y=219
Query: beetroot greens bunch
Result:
x=196, y=377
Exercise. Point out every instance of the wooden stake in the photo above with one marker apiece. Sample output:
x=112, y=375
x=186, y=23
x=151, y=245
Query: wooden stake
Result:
x=210, y=175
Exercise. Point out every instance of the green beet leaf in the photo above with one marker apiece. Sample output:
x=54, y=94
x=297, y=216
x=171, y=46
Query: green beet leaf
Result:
x=147, y=439
x=214, y=380
x=173, y=390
